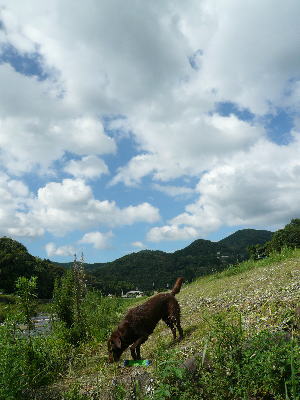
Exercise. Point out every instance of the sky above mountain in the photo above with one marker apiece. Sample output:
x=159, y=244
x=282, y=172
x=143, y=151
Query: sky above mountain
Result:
x=127, y=125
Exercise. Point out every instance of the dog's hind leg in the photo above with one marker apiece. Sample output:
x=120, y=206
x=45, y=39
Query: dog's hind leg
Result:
x=180, y=331
x=174, y=318
x=135, y=348
x=169, y=322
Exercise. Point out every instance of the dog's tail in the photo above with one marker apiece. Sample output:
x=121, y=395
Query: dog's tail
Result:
x=177, y=286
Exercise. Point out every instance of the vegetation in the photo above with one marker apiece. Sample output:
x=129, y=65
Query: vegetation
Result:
x=15, y=261
x=235, y=365
x=29, y=361
x=242, y=339
x=26, y=289
x=289, y=237
x=146, y=270
x=150, y=269
x=240, y=241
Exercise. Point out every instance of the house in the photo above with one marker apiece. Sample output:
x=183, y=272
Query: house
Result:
x=133, y=293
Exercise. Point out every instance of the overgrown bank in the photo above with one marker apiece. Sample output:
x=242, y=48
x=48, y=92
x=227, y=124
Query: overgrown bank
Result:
x=241, y=341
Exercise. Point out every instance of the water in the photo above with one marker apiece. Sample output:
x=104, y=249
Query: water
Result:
x=42, y=325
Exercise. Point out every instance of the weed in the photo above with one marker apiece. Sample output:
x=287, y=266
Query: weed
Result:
x=264, y=365
x=74, y=394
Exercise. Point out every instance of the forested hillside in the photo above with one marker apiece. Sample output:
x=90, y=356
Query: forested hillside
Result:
x=15, y=261
x=148, y=269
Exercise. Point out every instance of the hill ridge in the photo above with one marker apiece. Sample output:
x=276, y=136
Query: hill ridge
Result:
x=155, y=269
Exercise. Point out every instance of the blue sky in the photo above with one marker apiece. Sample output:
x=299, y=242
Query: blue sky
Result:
x=125, y=127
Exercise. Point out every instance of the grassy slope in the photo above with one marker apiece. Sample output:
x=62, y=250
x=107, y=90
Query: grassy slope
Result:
x=265, y=293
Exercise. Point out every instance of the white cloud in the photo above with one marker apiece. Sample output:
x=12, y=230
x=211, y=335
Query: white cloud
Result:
x=138, y=244
x=53, y=250
x=89, y=167
x=172, y=232
x=115, y=58
x=174, y=191
x=186, y=145
x=99, y=240
x=62, y=207
x=36, y=128
x=258, y=188
x=245, y=58
x=251, y=54
x=14, y=203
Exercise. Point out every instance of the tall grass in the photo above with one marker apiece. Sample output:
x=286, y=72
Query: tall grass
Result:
x=27, y=363
x=234, y=366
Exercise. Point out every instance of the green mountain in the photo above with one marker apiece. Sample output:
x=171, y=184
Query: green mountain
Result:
x=149, y=269
x=242, y=239
x=145, y=270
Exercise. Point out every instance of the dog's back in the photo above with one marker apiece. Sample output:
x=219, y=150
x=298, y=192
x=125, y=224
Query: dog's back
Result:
x=160, y=306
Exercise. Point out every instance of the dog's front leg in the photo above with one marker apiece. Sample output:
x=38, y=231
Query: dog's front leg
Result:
x=136, y=346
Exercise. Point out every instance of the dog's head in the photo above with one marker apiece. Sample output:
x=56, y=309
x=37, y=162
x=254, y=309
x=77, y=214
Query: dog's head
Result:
x=114, y=345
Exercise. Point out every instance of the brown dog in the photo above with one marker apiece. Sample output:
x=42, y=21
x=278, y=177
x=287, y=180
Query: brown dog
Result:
x=140, y=322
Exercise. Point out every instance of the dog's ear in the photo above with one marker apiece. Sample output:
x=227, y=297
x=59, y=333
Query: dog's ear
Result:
x=117, y=342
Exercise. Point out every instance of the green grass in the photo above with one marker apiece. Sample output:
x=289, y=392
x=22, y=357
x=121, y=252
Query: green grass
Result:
x=248, y=265
x=244, y=324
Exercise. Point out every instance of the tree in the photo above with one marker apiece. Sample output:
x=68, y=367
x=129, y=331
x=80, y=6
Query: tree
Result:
x=26, y=291
x=69, y=293
x=289, y=236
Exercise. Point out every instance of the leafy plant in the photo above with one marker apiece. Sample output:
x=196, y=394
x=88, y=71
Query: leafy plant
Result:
x=68, y=297
x=26, y=291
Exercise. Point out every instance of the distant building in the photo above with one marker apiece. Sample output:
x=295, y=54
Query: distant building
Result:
x=133, y=293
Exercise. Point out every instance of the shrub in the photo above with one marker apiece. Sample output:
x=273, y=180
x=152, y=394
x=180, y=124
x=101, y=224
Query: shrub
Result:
x=26, y=289
x=68, y=297
x=29, y=363
x=101, y=314
x=245, y=367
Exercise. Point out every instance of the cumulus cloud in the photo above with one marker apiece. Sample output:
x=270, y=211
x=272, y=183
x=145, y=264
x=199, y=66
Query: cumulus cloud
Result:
x=186, y=146
x=254, y=68
x=241, y=56
x=14, y=204
x=178, y=61
x=61, y=251
x=138, y=244
x=38, y=129
x=61, y=207
x=174, y=191
x=89, y=167
x=99, y=240
x=70, y=204
x=172, y=232
x=258, y=188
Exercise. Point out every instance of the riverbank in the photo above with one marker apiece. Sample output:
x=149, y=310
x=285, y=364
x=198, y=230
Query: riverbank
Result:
x=241, y=333
x=241, y=340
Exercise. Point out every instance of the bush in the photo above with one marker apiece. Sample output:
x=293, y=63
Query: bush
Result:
x=26, y=364
x=262, y=365
x=68, y=297
x=101, y=314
